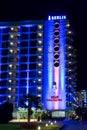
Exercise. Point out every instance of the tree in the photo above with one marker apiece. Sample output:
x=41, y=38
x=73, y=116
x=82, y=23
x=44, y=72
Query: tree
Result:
x=31, y=99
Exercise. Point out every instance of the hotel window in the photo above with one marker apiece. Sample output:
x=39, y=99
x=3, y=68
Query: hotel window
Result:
x=23, y=59
x=23, y=67
x=24, y=44
x=4, y=52
x=24, y=36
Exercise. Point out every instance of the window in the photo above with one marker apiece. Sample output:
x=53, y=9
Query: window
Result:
x=33, y=36
x=4, y=52
x=33, y=43
x=32, y=66
x=3, y=83
x=24, y=44
x=5, y=44
x=22, y=90
x=6, y=30
x=32, y=58
x=32, y=51
x=24, y=51
x=24, y=29
x=3, y=91
x=32, y=74
x=23, y=74
x=24, y=36
x=23, y=67
x=23, y=59
x=33, y=29
x=3, y=75
x=4, y=67
x=4, y=59
x=23, y=82
x=5, y=37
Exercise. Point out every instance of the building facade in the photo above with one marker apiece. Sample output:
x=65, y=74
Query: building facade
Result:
x=84, y=98
x=38, y=57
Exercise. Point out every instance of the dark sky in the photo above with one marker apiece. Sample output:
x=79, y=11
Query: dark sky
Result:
x=40, y=9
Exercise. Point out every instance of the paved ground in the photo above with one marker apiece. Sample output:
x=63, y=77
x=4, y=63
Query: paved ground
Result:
x=73, y=125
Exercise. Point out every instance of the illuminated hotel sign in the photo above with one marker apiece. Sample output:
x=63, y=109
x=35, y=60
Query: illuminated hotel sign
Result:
x=56, y=17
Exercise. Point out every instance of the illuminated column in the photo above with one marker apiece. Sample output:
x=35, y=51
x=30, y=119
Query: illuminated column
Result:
x=48, y=64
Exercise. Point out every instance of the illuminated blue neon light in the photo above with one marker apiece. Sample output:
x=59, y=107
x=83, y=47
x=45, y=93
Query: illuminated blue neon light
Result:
x=48, y=64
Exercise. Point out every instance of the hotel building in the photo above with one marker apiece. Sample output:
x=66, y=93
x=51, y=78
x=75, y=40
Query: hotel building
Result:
x=38, y=57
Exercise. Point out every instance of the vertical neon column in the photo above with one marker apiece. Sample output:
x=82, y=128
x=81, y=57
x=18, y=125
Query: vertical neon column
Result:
x=48, y=64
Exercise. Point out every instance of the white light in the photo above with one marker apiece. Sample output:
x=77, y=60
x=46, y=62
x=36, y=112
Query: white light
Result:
x=39, y=57
x=39, y=64
x=40, y=120
x=69, y=32
x=11, y=43
x=12, y=28
x=46, y=125
x=39, y=49
x=40, y=41
x=40, y=26
x=67, y=25
x=9, y=96
x=39, y=128
x=40, y=34
x=39, y=72
x=10, y=65
x=11, y=50
x=9, y=88
x=9, y=81
x=39, y=88
x=39, y=95
x=39, y=80
x=51, y=123
x=10, y=73
x=49, y=17
x=54, y=121
x=11, y=36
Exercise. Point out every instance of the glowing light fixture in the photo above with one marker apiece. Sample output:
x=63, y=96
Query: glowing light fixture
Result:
x=40, y=41
x=39, y=72
x=40, y=26
x=39, y=95
x=11, y=36
x=39, y=80
x=40, y=34
x=39, y=64
x=11, y=43
x=9, y=81
x=12, y=28
x=39, y=57
x=10, y=73
x=39, y=88
x=10, y=65
x=39, y=49
x=9, y=96
x=11, y=50
x=9, y=88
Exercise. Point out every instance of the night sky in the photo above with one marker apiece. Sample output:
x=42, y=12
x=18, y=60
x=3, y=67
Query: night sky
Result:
x=76, y=10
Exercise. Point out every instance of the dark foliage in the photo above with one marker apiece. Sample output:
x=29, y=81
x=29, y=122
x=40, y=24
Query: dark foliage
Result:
x=6, y=110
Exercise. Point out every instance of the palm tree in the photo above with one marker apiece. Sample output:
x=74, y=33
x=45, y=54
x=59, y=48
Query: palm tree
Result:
x=32, y=99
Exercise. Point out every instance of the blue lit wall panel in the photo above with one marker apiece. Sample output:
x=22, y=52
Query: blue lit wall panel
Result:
x=54, y=99
x=48, y=64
